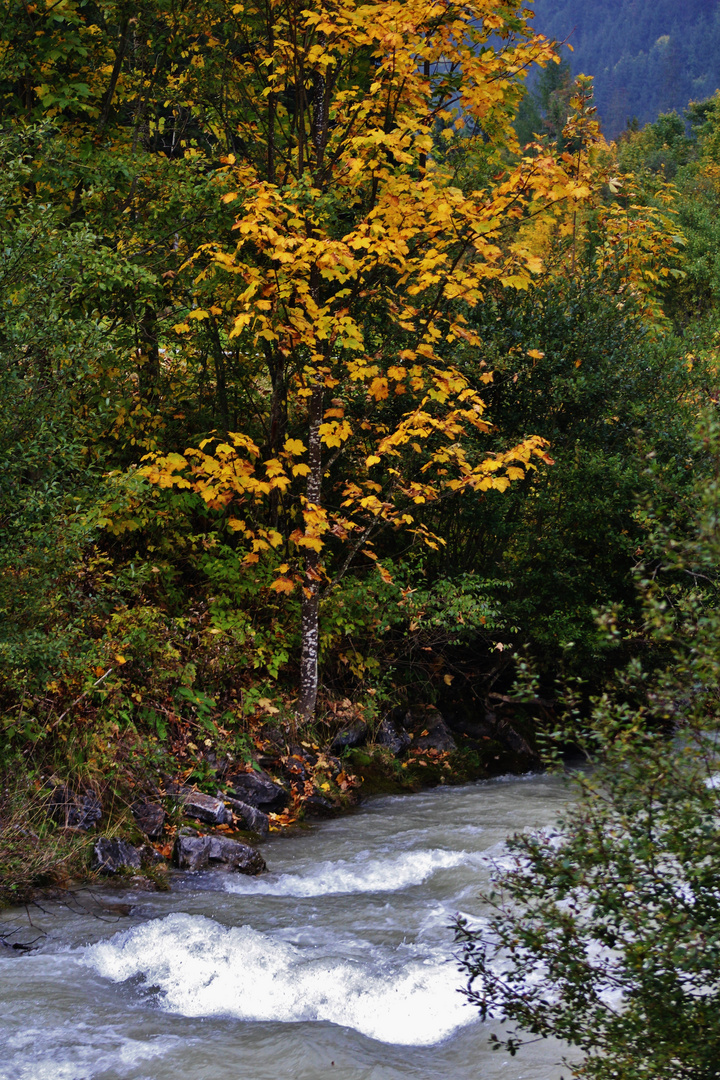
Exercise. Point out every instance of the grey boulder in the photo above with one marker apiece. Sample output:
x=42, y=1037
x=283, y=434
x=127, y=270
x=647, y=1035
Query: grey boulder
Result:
x=353, y=734
x=200, y=852
x=434, y=734
x=74, y=810
x=252, y=818
x=111, y=856
x=318, y=806
x=204, y=807
x=395, y=739
x=258, y=789
x=150, y=818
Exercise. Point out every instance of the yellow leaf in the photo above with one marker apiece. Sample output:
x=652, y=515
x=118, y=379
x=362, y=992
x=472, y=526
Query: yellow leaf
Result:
x=312, y=542
x=273, y=467
x=535, y=353
x=335, y=432
x=372, y=460
x=267, y=705
x=283, y=585
x=120, y=659
x=294, y=446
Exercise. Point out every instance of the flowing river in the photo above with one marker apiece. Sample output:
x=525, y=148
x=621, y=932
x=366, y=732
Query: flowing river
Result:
x=337, y=965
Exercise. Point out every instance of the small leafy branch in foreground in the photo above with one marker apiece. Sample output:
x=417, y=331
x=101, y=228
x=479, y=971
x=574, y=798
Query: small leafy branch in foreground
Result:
x=605, y=933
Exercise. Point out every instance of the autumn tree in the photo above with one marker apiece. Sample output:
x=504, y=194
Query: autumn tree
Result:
x=358, y=255
x=282, y=237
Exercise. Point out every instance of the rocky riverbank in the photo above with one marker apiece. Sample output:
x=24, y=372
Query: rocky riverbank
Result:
x=218, y=811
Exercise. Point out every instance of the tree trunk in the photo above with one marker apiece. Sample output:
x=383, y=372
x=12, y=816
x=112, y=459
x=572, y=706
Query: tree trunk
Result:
x=221, y=397
x=148, y=356
x=117, y=67
x=310, y=631
x=277, y=422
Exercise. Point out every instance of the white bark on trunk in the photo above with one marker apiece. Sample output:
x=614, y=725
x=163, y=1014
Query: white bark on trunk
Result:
x=310, y=632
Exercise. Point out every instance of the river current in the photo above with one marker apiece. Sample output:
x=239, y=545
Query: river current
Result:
x=336, y=965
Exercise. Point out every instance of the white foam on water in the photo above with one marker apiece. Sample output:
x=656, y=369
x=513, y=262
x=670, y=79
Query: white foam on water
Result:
x=201, y=968
x=75, y=1052
x=361, y=875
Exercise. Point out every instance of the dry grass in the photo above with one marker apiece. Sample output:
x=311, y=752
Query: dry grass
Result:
x=34, y=851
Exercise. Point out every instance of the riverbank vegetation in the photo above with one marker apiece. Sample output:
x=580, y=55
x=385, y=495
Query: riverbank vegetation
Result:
x=604, y=931
x=327, y=403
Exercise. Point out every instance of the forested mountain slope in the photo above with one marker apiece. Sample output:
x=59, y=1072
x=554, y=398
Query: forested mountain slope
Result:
x=647, y=56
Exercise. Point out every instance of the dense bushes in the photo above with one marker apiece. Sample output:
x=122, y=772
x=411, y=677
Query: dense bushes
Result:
x=140, y=606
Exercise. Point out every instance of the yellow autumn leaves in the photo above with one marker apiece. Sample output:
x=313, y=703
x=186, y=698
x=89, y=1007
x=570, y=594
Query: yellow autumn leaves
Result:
x=356, y=263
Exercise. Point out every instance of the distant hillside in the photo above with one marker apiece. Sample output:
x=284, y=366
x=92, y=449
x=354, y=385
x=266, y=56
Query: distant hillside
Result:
x=647, y=56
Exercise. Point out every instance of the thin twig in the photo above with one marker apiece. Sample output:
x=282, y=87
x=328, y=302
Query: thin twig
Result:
x=83, y=695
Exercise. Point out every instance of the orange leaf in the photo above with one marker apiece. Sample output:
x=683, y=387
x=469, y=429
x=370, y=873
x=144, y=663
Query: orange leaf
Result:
x=283, y=585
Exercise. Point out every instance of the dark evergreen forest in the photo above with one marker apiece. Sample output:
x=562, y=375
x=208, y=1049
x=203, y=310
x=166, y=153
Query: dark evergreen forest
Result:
x=646, y=57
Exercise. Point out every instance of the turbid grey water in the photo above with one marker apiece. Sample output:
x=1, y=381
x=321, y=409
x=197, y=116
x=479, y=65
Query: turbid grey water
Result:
x=336, y=964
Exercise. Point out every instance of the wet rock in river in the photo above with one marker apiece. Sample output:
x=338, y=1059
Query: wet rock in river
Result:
x=111, y=856
x=352, y=735
x=150, y=818
x=203, y=807
x=241, y=857
x=251, y=817
x=200, y=852
x=258, y=789
x=318, y=806
x=192, y=852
